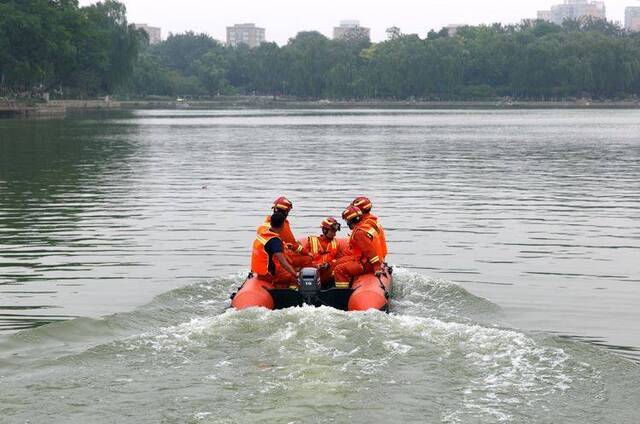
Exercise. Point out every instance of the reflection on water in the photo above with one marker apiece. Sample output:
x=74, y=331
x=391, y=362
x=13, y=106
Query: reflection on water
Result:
x=52, y=175
x=536, y=210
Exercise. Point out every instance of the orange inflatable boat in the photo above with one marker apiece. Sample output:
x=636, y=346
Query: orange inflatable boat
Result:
x=366, y=292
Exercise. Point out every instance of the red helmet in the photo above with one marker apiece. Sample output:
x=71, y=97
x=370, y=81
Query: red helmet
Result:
x=330, y=224
x=283, y=204
x=351, y=213
x=363, y=203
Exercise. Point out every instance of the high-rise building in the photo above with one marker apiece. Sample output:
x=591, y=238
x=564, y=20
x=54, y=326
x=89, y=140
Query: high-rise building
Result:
x=248, y=34
x=155, y=33
x=350, y=29
x=632, y=18
x=574, y=9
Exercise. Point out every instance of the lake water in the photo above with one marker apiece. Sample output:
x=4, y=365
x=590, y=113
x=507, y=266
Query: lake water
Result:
x=515, y=236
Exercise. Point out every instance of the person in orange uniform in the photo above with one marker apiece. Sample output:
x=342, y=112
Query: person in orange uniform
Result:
x=268, y=260
x=324, y=249
x=364, y=257
x=284, y=205
x=365, y=206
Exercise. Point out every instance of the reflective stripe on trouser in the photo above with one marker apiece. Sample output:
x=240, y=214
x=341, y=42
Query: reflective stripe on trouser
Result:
x=346, y=271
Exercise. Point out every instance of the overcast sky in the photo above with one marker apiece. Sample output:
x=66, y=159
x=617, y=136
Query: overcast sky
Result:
x=284, y=18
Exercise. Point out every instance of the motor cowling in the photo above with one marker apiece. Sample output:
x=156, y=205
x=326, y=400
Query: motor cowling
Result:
x=309, y=285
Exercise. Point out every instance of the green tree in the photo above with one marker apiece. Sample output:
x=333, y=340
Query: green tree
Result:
x=308, y=56
x=109, y=49
x=211, y=69
x=181, y=51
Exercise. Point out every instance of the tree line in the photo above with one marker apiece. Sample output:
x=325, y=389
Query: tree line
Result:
x=57, y=46
x=92, y=50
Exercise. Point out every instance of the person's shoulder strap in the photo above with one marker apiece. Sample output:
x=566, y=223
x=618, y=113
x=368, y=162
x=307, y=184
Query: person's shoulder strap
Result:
x=265, y=234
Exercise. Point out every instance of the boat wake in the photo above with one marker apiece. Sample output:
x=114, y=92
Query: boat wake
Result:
x=441, y=355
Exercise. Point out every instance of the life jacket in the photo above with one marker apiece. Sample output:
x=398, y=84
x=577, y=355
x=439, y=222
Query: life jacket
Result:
x=322, y=250
x=374, y=223
x=259, y=256
x=286, y=235
x=371, y=232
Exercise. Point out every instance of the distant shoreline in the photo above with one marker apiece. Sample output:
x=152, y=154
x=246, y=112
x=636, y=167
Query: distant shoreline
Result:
x=60, y=107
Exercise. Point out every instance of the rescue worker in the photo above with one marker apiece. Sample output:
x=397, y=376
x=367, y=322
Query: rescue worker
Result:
x=364, y=245
x=268, y=260
x=365, y=206
x=284, y=205
x=295, y=252
x=324, y=249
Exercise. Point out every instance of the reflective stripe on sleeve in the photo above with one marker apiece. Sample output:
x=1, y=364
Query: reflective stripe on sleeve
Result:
x=315, y=248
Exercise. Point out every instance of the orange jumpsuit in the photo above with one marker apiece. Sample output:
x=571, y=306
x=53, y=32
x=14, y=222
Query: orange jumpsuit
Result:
x=323, y=251
x=364, y=245
x=283, y=279
x=374, y=222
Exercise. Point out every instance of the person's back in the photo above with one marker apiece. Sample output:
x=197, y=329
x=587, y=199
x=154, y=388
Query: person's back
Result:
x=372, y=221
x=364, y=245
x=268, y=261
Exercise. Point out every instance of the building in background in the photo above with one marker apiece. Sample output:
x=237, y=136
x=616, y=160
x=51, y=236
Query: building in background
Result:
x=545, y=15
x=248, y=34
x=155, y=33
x=574, y=9
x=350, y=29
x=452, y=29
x=632, y=18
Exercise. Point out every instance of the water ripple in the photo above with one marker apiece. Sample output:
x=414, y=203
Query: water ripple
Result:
x=100, y=213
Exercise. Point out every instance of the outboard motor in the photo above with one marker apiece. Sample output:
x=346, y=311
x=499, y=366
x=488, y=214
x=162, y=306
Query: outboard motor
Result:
x=309, y=285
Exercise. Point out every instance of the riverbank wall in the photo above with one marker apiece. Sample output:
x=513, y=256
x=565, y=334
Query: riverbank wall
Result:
x=61, y=107
x=53, y=108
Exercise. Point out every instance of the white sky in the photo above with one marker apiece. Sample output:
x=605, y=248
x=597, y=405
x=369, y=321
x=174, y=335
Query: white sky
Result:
x=284, y=18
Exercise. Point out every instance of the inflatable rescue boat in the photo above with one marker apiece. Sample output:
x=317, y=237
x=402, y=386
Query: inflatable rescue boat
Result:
x=367, y=292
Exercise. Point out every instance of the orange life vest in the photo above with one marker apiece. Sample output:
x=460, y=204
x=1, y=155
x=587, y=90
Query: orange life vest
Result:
x=286, y=235
x=381, y=242
x=259, y=256
x=322, y=250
